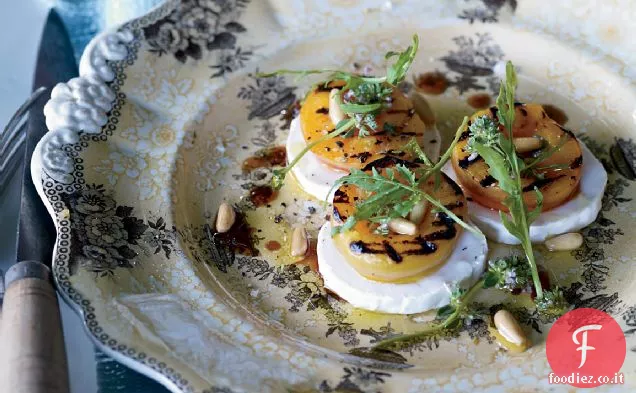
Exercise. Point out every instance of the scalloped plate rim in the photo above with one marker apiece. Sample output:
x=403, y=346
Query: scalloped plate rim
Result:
x=36, y=176
x=36, y=166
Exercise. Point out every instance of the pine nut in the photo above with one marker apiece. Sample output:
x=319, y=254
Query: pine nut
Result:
x=402, y=226
x=524, y=145
x=565, y=242
x=225, y=217
x=335, y=112
x=416, y=215
x=299, y=242
x=509, y=328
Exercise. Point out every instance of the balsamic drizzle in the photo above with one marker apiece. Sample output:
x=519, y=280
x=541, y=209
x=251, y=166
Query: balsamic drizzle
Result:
x=487, y=181
x=464, y=163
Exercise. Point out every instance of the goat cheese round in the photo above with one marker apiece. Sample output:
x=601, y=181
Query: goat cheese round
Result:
x=575, y=214
x=465, y=265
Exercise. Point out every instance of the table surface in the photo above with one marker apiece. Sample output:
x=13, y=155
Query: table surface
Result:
x=89, y=369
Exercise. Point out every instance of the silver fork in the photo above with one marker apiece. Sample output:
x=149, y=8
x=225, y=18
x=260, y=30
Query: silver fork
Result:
x=13, y=137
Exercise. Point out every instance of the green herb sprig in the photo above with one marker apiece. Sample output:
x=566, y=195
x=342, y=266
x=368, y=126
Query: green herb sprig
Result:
x=368, y=96
x=393, y=198
x=507, y=273
x=278, y=175
x=510, y=273
x=450, y=317
x=506, y=167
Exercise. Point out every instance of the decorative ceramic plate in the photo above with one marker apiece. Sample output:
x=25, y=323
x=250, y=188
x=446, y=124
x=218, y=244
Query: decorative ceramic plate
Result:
x=150, y=139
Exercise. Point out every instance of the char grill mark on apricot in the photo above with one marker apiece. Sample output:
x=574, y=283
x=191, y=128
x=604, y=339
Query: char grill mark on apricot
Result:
x=343, y=152
x=562, y=166
x=540, y=183
x=466, y=162
x=394, y=256
x=578, y=161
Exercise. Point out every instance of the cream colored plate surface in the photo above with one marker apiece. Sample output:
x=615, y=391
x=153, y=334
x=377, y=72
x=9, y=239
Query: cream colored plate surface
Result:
x=132, y=199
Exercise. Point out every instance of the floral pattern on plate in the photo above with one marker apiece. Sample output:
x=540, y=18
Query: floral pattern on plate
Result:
x=136, y=253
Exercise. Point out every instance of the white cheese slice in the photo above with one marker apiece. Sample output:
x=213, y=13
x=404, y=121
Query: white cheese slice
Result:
x=315, y=177
x=573, y=215
x=465, y=265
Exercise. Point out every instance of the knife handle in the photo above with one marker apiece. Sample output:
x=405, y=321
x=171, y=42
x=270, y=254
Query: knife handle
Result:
x=32, y=351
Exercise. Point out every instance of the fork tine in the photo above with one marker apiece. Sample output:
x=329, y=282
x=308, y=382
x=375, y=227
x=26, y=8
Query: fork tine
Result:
x=13, y=137
x=16, y=144
x=22, y=110
x=8, y=162
x=10, y=137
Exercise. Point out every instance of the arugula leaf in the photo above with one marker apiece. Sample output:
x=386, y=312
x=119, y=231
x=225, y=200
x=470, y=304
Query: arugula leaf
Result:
x=395, y=194
x=359, y=108
x=449, y=317
x=545, y=154
x=397, y=72
x=367, y=97
x=414, y=149
x=279, y=175
x=507, y=168
x=498, y=166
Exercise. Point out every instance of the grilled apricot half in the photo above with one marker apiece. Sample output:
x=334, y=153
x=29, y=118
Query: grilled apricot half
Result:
x=557, y=176
x=396, y=257
x=355, y=152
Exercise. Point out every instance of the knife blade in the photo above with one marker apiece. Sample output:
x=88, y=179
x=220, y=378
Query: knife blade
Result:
x=33, y=357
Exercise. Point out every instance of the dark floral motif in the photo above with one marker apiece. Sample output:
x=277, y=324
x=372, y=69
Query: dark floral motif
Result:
x=266, y=136
x=198, y=25
x=356, y=380
x=600, y=233
x=576, y=293
x=475, y=58
x=216, y=389
x=380, y=358
x=477, y=330
x=527, y=317
x=623, y=156
x=487, y=11
x=629, y=317
x=231, y=60
x=306, y=290
x=345, y=330
x=107, y=237
x=382, y=333
x=158, y=238
x=305, y=285
x=268, y=97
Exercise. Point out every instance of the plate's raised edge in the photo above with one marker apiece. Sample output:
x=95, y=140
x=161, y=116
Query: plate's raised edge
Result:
x=64, y=127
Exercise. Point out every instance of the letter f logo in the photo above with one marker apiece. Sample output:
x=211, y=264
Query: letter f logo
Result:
x=584, y=347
